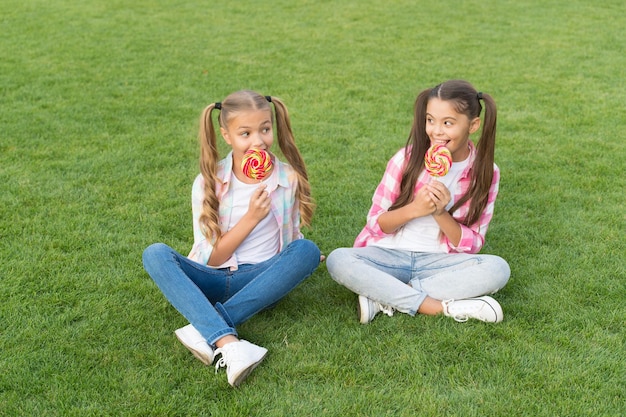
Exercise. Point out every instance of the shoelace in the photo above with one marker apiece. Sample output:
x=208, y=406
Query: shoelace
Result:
x=461, y=318
x=386, y=309
x=221, y=362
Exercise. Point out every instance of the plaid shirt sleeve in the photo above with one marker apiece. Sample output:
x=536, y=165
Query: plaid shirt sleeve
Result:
x=285, y=208
x=202, y=248
x=386, y=193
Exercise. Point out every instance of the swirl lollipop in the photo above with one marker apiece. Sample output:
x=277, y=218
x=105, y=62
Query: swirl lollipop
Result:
x=437, y=160
x=256, y=164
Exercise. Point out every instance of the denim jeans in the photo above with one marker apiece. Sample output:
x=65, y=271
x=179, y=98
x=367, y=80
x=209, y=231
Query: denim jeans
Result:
x=382, y=275
x=215, y=301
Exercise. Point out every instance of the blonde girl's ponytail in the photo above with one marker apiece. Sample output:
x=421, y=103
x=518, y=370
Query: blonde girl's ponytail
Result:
x=209, y=219
x=287, y=145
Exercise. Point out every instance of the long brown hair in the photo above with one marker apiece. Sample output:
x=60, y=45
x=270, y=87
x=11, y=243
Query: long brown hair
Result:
x=466, y=100
x=239, y=101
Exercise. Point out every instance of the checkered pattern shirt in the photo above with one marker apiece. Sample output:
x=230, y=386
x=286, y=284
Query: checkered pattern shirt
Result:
x=472, y=237
x=285, y=208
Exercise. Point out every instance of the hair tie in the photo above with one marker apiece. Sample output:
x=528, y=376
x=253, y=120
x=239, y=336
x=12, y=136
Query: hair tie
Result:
x=218, y=105
x=268, y=98
x=480, y=96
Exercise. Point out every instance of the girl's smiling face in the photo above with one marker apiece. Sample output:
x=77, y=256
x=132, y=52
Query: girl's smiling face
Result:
x=446, y=126
x=246, y=130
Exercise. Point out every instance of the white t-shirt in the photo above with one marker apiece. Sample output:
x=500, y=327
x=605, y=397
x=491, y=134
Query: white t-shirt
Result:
x=422, y=234
x=264, y=240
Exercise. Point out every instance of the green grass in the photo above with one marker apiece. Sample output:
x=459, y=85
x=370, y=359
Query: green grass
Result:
x=99, y=104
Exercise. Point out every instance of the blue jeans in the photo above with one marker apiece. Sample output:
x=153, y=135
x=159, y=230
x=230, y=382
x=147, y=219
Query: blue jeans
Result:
x=215, y=301
x=382, y=275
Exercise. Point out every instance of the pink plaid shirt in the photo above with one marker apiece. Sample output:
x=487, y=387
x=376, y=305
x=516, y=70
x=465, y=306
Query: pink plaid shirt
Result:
x=285, y=208
x=472, y=237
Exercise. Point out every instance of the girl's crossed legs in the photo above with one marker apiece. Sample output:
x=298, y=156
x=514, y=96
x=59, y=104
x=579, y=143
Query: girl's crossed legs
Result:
x=215, y=301
x=412, y=282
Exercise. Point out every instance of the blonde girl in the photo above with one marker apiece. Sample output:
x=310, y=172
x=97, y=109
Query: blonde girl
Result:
x=248, y=250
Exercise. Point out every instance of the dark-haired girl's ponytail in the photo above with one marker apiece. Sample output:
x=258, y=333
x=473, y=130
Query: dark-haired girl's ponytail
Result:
x=416, y=145
x=482, y=169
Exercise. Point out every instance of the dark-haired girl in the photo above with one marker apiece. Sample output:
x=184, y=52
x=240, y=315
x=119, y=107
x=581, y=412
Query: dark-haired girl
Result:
x=418, y=252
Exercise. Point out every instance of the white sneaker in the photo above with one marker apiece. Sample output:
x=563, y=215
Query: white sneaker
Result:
x=481, y=308
x=367, y=309
x=239, y=358
x=193, y=340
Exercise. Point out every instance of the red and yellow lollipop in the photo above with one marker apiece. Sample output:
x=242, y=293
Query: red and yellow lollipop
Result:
x=256, y=164
x=437, y=160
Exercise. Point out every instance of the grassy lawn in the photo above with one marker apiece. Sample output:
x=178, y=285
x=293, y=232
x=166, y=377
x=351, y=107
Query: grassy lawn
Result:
x=99, y=104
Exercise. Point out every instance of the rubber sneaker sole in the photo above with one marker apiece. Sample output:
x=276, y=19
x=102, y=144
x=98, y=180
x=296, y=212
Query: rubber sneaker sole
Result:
x=204, y=357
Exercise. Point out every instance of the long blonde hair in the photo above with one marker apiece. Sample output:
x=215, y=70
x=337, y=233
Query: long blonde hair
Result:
x=236, y=102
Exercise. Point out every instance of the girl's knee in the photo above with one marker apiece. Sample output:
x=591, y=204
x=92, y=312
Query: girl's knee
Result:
x=306, y=250
x=501, y=271
x=503, y=268
x=154, y=251
x=306, y=247
x=309, y=247
x=154, y=248
x=336, y=260
x=331, y=259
